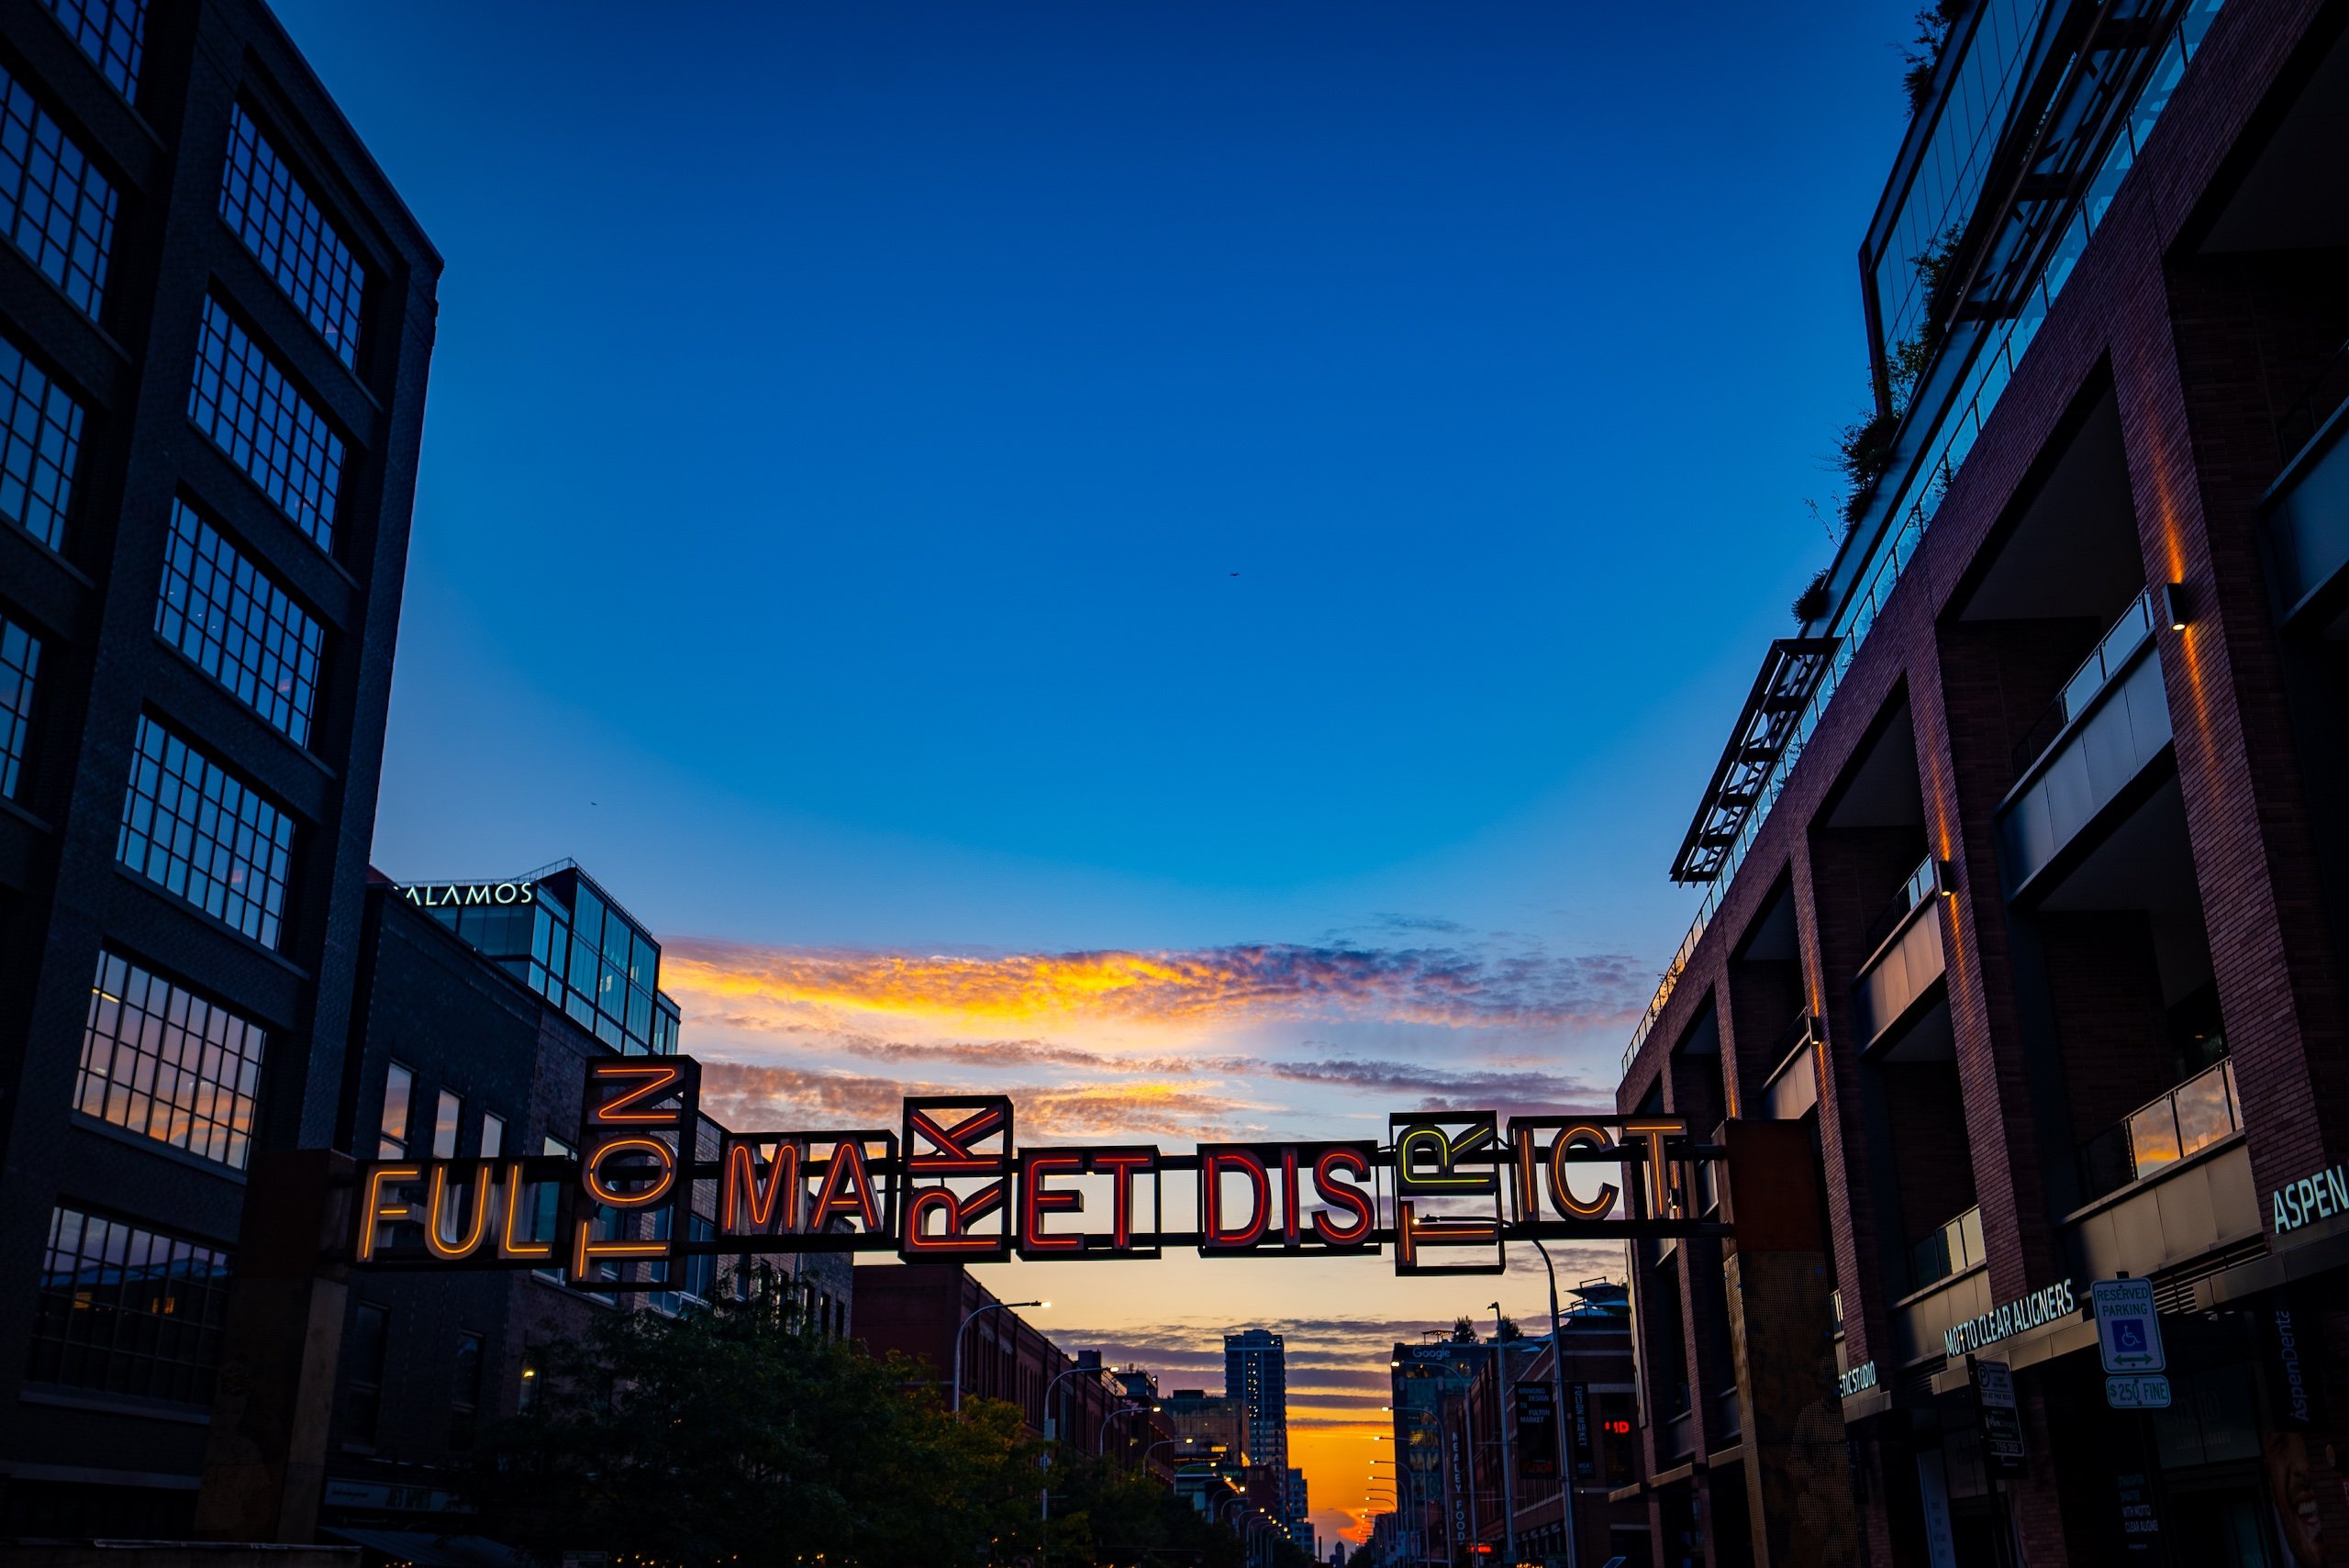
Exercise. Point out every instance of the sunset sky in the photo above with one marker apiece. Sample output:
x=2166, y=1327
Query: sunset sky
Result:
x=1186, y=562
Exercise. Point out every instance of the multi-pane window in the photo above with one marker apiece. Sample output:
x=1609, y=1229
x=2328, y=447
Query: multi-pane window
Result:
x=20, y=662
x=285, y=231
x=54, y=202
x=109, y=32
x=164, y=1063
x=190, y=825
x=40, y=439
x=244, y=630
x=399, y=1094
x=127, y=1311
x=244, y=402
x=492, y=1135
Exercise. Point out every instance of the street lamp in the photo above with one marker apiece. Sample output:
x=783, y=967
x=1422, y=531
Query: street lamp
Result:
x=1565, y=1446
x=1051, y=1424
x=1501, y=1404
x=963, y=1327
x=1101, y=1443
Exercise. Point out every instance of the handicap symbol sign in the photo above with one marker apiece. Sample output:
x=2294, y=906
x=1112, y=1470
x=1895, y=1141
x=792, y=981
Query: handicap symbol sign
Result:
x=2127, y=1324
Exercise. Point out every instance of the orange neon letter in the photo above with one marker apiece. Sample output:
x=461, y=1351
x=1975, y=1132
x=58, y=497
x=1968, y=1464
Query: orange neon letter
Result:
x=378, y=1211
x=436, y=1234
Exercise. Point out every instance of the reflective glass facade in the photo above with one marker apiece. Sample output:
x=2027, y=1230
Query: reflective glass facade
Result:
x=580, y=950
x=55, y=204
x=41, y=442
x=167, y=1064
x=19, y=663
x=110, y=32
x=244, y=402
x=190, y=825
x=285, y=231
x=238, y=626
x=126, y=1310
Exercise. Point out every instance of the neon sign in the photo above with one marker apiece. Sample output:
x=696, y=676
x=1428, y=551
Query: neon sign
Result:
x=1448, y=1190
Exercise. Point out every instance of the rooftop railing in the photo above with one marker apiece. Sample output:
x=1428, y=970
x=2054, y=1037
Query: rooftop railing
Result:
x=2112, y=651
x=1919, y=497
x=1951, y=1250
x=1912, y=893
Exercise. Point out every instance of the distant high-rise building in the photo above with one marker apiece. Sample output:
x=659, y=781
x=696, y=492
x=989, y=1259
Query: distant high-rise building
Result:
x=1255, y=1376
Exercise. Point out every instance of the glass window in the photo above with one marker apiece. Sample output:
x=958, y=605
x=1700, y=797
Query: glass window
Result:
x=238, y=626
x=445, y=1122
x=109, y=32
x=364, y=1357
x=190, y=825
x=55, y=204
x=164, y=1063
x=127, y=1311
x=284, y=229
x=245, y=402
x=399, y=1090
x=40, y=441
x=19, y=661
x=492, y=1135
x=464, y=1400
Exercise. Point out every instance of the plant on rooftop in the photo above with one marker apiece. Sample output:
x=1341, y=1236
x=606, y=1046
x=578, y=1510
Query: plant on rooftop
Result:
x=1813, y=602
x=1923, y=54
x=1864, y=452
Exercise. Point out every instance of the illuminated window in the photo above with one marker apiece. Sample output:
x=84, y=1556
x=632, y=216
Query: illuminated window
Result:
x=399, y=1090
x=109, y=32
x=127, y=1311
x=285, y=231
x=19, y=661
x=238, y=626
x=245, y=402
x=40, y=441
x=445, y=1121
x=190, y=825
x=55, y=204
x=168, y=1064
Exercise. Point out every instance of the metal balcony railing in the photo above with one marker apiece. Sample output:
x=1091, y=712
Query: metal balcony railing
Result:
x=2186, y=1120
x=1917, y=495
x=1951, y=1250
x=1916, y=890
x=2112, y=651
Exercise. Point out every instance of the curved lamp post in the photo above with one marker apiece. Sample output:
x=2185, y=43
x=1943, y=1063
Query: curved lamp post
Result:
x=963, y=1327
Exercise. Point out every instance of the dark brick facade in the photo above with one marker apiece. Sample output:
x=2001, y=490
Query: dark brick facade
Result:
x=92, y=604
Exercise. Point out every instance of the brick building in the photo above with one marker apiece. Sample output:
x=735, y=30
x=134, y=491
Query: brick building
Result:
x=480, y=1005
x=215, y=316
x=2024, y=913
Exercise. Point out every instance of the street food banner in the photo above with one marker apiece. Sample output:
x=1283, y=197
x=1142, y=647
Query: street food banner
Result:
x=653, y=1181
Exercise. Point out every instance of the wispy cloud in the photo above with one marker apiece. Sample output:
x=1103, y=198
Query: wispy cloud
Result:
x=1459, y=987
x=760, y=1097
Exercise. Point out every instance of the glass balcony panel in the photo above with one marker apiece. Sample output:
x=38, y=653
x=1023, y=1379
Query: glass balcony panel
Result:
x=2152, y=1136
x=1969, y=1231
x=2204, y=1113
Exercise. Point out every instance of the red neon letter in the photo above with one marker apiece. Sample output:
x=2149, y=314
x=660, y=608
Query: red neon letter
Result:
x=741, y=1198
x=960, y=1215
x=1341, y=1195
x=1036, y=1201
x=953, y=1144
x=1121, y=1169
x=1211, y=1168
x=847, y=1189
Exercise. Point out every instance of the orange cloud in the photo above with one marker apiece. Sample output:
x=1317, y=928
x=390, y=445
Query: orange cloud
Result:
x=1458, y=988
x=750, y=1096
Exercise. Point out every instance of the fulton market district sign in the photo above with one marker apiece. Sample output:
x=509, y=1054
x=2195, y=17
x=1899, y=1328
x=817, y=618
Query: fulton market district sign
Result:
x=1448, y=1190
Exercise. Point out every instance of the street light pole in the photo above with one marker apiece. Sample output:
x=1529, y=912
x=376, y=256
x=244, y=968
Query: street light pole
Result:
x=1501, y=1403
x=1565, y=1433
x=961, y=1328
x=1051, y=1423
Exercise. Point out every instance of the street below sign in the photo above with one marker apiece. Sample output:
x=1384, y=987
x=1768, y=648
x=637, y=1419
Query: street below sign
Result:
x=2127, y=1324
x=2148, y=1391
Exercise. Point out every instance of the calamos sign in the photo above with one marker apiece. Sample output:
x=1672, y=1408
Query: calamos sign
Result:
x=1447, y=1190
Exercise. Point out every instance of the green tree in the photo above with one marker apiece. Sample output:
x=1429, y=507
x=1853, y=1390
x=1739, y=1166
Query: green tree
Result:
x=728, y=1437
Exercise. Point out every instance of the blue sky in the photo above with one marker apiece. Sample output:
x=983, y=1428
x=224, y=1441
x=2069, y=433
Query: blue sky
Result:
x=996, y=480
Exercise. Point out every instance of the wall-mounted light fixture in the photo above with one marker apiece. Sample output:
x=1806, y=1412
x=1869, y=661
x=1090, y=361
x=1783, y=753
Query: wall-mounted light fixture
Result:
x=2173, y=605
x=1945, y=877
